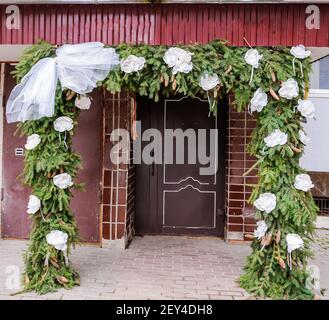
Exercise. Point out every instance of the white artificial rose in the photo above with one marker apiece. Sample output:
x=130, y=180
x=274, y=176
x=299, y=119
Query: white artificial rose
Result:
x=252, y=57
x=303, y=137
x=170, y=57
x=63, y=181
x=178, y=59
x=261, y=229
x=258, y=101
x=289, y=89
x=208, y=82
x=306, y=108
x=58, y=239
x=132, y=64
x=303, y=182
x=300, y=52
x=294, y=241
x=183, y=67
x=33, y=205
x=83, y=102
x=276, y=138
x=32, y=141
x=266, y=202
x=62, y=124
x=174, y=56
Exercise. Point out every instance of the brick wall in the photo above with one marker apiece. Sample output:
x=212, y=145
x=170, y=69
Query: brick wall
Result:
x=118, y=180
x=240, y=221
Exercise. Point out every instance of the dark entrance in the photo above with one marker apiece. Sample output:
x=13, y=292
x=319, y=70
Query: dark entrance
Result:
x=176, y=198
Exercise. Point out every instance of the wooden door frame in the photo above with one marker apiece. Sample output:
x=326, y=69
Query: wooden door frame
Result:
x=154, y=204
x=2, y=85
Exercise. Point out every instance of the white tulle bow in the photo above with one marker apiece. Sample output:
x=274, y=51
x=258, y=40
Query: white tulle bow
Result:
x=78, y=67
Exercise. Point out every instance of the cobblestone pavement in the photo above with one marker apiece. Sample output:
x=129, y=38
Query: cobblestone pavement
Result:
x=155, y=267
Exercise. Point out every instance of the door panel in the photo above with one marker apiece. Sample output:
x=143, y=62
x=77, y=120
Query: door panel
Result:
x=175, y=198
x=87, y=141
x=186, y=114
x=15, y=222
x=189, y=207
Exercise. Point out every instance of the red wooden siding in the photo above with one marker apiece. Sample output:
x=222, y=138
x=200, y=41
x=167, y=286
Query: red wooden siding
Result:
x=166, y=24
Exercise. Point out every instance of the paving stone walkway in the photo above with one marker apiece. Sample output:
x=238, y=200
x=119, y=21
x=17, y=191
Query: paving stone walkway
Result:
x=154, y=267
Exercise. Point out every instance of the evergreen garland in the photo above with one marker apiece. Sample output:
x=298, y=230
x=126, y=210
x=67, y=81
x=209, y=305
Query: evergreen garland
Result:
x=266, y=272
x=45, y=266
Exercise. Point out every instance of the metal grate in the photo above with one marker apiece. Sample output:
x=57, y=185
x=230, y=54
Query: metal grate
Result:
x=323, y=204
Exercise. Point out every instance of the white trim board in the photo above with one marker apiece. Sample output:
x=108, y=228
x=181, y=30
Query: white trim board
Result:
x=12, y=52
x=319, y=93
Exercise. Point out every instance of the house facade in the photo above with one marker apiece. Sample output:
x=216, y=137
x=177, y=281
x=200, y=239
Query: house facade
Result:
x=124, y=200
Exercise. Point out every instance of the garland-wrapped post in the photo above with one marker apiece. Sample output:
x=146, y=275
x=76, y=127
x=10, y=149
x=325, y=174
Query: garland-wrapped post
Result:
x=46, y=268
x=270, y=270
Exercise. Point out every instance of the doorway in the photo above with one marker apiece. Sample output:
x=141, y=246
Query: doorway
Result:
x=177, y=198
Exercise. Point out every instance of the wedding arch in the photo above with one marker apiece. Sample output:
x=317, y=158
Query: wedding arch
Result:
x=271, y=82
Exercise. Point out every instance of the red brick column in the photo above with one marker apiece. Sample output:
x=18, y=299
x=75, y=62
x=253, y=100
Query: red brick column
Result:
x=239, y=213
x=118, y=199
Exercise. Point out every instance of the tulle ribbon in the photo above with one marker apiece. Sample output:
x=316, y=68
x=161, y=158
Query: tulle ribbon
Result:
x=78, y=67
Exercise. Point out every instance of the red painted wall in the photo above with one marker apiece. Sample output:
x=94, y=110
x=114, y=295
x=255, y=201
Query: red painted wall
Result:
x=167, y=24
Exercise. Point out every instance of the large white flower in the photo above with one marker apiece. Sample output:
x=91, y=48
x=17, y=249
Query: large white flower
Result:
x=289, y=89
x=63, y=181
x=261, y=229
x=208, y=82
x=303, y=182
x=266, y=202
x=32, y=141
x=83, y=102
x=62, y=124
x=294, y=241
x=132, y=64
x=178, y=59
x=306, y=108
x=33, y=205
x=252, y=57
x=300, y=52
x=258, y=101
x=276, y=138
x=183, y=67
x=303, y=137
x=58, y=239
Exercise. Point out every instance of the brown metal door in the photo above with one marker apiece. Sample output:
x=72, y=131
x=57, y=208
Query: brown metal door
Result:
x=15, y=222
x=175, y=198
